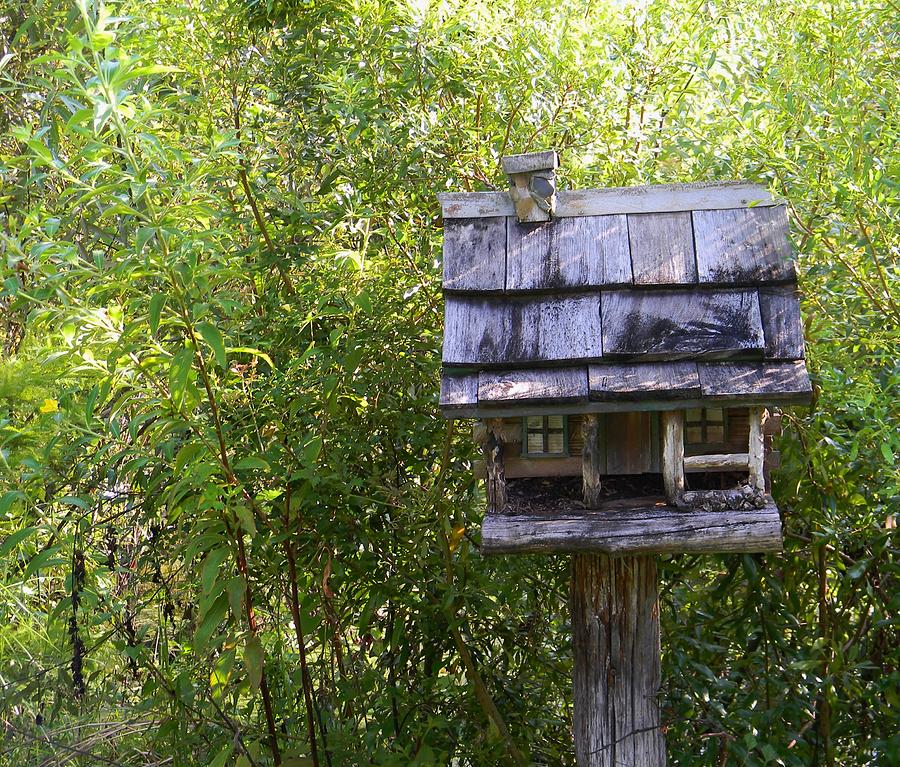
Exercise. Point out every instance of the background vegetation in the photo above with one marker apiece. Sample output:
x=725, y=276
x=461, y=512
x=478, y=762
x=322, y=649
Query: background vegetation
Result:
x=234, y=529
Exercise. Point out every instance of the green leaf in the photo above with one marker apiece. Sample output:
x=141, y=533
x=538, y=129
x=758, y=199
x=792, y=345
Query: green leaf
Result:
x=14, y=539
x=222, y=757
x=156, y=306
x=254, y=352
x=252, y=462
x=46, y=558
x=887, y=453
x=210, y=569
x=245, y=517
x=253, y=660
x=213, y=338
x=311, y=451
x=211, y=621
x=235, y=588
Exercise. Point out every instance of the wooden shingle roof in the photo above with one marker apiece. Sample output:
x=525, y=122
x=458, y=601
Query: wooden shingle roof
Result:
x=633, y=298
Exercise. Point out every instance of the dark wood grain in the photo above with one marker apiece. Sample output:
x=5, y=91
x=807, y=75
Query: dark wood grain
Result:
x=778, y=381
x=625, y=382
x=679, y=324
x=551, y=385
x=458, y=391
x=662, y=248
x=475, y=253
x=656, y=529
x=615, y=642
x=745, y=245
x=482, y=331
x=783, y=328
x=566, y=253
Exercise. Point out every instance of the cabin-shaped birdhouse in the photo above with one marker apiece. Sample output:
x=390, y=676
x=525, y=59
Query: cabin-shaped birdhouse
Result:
x=625, y=353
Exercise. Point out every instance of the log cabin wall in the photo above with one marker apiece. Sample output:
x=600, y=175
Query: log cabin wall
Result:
x=630, y=443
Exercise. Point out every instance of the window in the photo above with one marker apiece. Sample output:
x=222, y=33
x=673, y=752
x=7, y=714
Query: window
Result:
x=545, y=435
x=705, y=426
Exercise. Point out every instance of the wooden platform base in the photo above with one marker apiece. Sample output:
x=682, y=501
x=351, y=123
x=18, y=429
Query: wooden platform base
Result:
x=647, y=527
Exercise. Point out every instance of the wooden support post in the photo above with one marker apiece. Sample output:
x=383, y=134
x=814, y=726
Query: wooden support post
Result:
x=615, y=630
x=492, y=446
x=757, y=452
x=590, y=460
x=673, y=455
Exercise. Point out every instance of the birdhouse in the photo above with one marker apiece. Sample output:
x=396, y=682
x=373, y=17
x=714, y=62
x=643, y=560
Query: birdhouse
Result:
x=625, y=352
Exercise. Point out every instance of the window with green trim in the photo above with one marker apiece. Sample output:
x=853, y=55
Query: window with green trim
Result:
x=707, y=427
x=545, y=435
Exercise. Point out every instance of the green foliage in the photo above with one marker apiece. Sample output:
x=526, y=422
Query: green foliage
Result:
x=225, y=489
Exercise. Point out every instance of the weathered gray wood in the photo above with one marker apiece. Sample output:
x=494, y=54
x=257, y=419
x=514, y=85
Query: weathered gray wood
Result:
x=627, y=199
x=550, y=385
x=642, y=380
x=756, y=453
x=492, y=447
x=776, y=381
x=615, y=639
x=590, y=460
x=475, y=253
x=627, y=440
x=566, y=253
x=673, y=454
x=782, y=325
x=509, y=331
x=673, y=324
x=475, y=204
x=530, y=162
x=717, y=462
x=651, y=528
x=743, y=245
x=772, y=422
x=458, y=391
x=662, y=248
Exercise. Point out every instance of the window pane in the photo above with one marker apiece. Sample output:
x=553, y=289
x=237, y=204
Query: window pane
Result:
x=693, y=435
x=714, y=414
x=555, y=442
x=555, y=421
x=715, y=433
x=694, y=415
x=535, y=422
x=535, y=442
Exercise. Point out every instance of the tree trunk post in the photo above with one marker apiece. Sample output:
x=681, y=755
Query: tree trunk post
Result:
x=615, y=635
x=590, y=461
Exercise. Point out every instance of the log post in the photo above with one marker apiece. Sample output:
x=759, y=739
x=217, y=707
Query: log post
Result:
x=590, y=460
x=491, y=438
x=615, y=635
x=673, y=455
x=757, y=451
x=615, y=641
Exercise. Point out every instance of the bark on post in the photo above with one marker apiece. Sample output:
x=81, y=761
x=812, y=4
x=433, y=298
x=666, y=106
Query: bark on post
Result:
x=673, y=455
x=757, y=453
x=590, y=460
x=615, y=634
x=492, y=445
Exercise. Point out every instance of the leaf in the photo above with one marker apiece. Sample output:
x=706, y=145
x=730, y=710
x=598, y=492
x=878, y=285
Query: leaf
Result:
x=210, y=569
x=210, y=622
x=236, y=589
x=14, y=539
x=311, y=451
x=222, y=757
x=887, y=453
x=156, y=306
x=252, y=462
x=253, y=660
x=245, y=517
x=46, y=558
x=254, y=352
x=213, y=338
